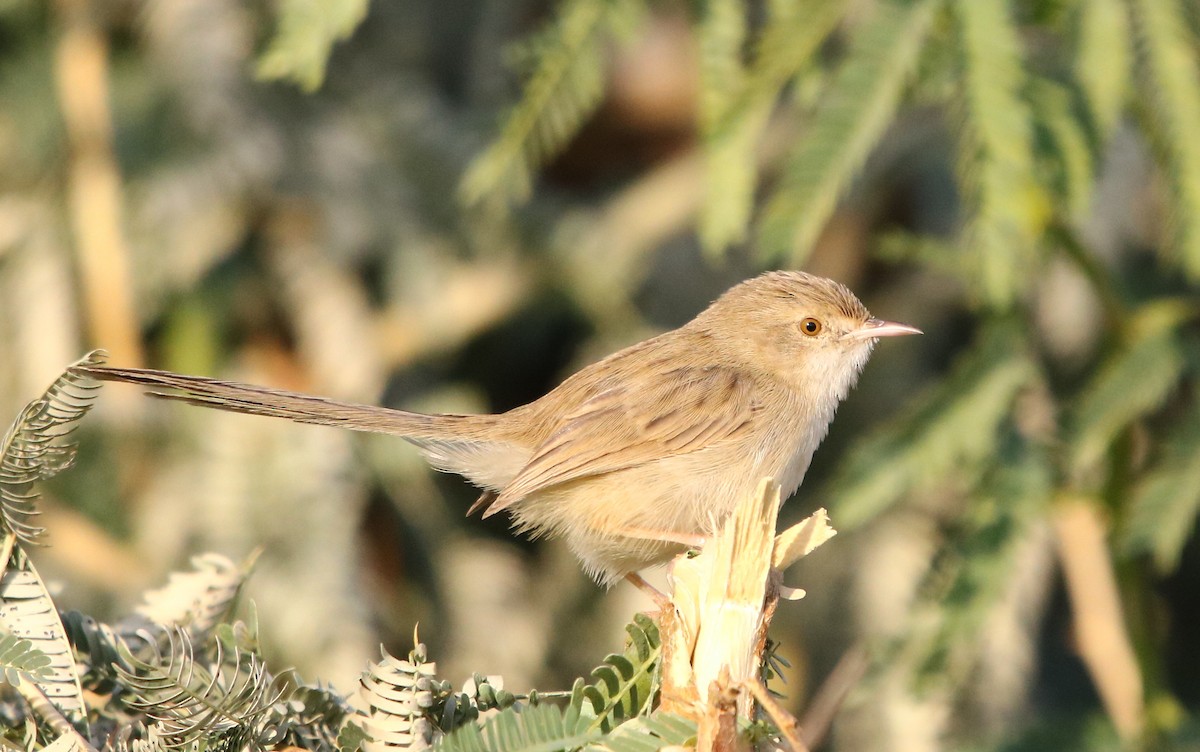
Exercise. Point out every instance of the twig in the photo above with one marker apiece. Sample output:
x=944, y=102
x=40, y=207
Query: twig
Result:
x=832, y=693
x=81, y=72
x=789, y=728
x=1101, y=638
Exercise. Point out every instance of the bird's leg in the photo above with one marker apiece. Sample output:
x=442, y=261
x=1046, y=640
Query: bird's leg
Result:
x=691, y=540
x=659, y=597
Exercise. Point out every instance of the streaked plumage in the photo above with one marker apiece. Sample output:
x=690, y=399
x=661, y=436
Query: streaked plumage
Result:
x=664, y=436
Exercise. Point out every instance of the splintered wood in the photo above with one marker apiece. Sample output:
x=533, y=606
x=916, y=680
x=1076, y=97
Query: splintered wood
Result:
x=723, y=599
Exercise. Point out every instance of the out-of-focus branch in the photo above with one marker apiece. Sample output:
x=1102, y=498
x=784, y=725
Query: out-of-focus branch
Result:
x=94, y=190
x=1100, y=635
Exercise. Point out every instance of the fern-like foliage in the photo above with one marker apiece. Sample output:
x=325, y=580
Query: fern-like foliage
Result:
x=969, y=577
x=307, y=31
x=311, y=716
x=28, y=612
x=18, y=656
x=950, y=430
x=198, y=599
x=564, y=87
x=626, y=684
x=650, y=734
x=193, y=700
x=1166, y=502
x=1103, y=61
x=100, y=649
x=1063, y=147
x=737, y=100
x=1171, y=86
x=538, y=728
x=996, y=163
x=400, y=696
x=1134, y=380
x=858, y=106
x=728, y=151
x=35, y=447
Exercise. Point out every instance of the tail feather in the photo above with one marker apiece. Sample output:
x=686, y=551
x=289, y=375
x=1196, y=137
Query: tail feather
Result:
x=302, y=408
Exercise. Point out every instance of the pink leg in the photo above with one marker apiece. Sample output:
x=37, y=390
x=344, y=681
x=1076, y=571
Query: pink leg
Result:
x=660, y=598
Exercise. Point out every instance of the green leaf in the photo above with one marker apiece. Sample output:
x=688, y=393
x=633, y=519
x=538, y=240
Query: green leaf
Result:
x=951, y=430
x=539, y=728
x=1008, y=210
x=649, y=734
x=1162, y=512
x=307, y=31
x=351, y=737
x=1104, y=59
x=1132, y=382
x=977, y=565
x=565, y=86
x=737, y=102
x=728, y=151
x=19, y=656
x=1065, y=152
x=855, y=111
x=624, y=685
x=35, y=447
x=1171, y=85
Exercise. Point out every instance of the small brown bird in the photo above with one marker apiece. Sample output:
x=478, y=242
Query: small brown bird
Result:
x=639, y=455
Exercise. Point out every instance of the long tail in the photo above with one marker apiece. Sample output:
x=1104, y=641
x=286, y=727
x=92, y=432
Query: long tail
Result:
x=302, y=408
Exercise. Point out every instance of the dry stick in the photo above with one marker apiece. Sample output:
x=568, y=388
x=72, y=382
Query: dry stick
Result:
x=823, y=708
x=1102, y=641
x=789, y=727
x=81, y=75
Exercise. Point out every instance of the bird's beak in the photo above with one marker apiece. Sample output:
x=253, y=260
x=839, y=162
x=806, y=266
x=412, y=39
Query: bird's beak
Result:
x=880, y=328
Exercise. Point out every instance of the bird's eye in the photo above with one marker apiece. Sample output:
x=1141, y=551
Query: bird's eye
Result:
x=811, y=327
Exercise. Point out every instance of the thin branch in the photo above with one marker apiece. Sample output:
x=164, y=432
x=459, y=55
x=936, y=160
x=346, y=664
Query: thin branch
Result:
x=1101, y=637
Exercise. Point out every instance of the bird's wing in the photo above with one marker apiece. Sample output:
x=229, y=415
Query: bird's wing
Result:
x=631, y=424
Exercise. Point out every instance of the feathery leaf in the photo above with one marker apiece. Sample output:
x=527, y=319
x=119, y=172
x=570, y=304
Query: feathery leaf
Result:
x=1064, y=150
x=28, y=612
x=966, y=583
x=35, y=447
x=736, y=104
x=1009, y=209
x=19, y=656
x=539, y=728
x=399, y=696
x=307, y=31
x=857, y=108
x=728, y=152
x=1132, y=382
x=193, y=700
x=1171, y=84
x=1103, y=62
x=197, y=600
x=565, y=86
x=949, y=431
x=625, y=684
x=649, y=734
x=1166, y=501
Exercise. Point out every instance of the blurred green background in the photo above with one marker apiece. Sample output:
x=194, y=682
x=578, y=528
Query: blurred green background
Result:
x=450, y=204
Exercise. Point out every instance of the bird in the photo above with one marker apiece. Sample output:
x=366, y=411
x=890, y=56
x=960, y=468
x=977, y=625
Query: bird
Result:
x=639, y=456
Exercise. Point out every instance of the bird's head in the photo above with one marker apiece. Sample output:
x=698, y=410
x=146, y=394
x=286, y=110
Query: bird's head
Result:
x=809, y=331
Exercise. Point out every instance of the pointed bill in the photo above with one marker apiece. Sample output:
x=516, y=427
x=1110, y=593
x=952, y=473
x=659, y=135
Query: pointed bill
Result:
x=880, y=328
